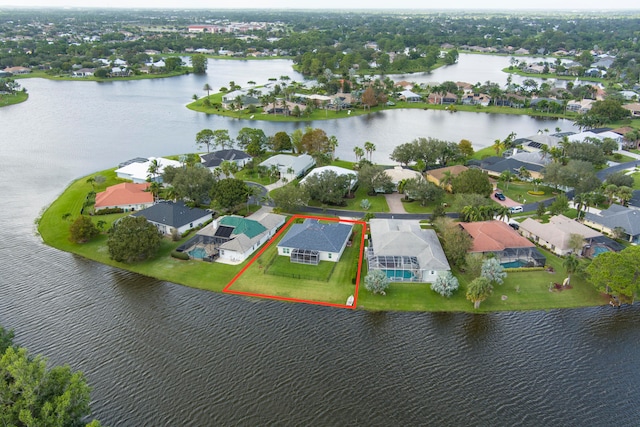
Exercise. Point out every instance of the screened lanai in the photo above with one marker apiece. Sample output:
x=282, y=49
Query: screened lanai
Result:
x=305, y=256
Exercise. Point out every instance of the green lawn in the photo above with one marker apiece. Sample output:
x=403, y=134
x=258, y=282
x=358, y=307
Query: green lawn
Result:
x=67, y=77
x=258, y=280
x=415, y=207
x=15, y=98
x=518, y=191
x=636, y=180
x=527, y=290
x=532, y=294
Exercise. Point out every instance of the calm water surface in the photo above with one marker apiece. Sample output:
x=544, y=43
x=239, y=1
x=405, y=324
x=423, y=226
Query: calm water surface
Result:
x=158, y=354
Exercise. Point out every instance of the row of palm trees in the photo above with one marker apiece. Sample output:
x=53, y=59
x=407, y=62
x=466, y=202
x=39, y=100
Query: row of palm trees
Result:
x=369, y=148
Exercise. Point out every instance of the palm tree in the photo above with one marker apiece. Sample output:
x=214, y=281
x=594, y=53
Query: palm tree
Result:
x=369, y=147
x=624, y=194
x=506, y=176
x=578, y=203
x=447, y=179
x=570, y=264
x=208, y=88
x=154, y=169
x=610, y=191
x=498, y=146
x=359, y=152
x=536, y=182
x=502, y=213
x=154, y=188
x=194, y=97
x=91, y=180
x=333, y=144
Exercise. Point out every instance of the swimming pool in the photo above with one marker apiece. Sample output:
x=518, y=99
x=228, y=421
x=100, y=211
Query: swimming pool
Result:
x=198, y=253
x=514, y=264
x=597, y=250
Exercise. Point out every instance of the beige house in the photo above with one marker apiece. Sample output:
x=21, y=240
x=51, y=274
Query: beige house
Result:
x=437, y=175
x=556, y=234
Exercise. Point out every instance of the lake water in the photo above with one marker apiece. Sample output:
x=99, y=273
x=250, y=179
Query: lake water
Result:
x=159, y=354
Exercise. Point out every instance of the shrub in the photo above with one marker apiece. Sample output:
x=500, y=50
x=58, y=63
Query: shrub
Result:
x=536, y=193
x=108, y=211
x=180, y=255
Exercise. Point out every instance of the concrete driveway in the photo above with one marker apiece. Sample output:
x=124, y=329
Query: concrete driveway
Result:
x=394, y=201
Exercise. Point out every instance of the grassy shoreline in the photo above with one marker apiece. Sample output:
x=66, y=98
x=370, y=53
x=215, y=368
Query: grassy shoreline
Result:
x=320, y=114
x=16, y=98
x=44, y=75
x=521, y=291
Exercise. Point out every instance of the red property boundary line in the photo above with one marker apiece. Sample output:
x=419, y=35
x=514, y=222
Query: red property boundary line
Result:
x=227, y=289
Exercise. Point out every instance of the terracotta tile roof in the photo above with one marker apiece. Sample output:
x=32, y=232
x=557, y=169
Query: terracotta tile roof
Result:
x=493, y=236
x=455, y=171
x=124, y=194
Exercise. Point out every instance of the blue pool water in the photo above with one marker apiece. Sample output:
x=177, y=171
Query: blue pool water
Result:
x=597, y=250
x=198, y=253
x=399, y=274
x=514, y=264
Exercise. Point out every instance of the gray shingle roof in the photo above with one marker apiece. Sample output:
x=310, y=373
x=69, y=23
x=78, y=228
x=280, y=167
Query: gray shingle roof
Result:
x=173, y=214
x=317, y=236
x=214, y=159
x=617, y=216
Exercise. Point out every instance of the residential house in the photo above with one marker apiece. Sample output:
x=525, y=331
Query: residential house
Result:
x=494, y=166
x=582, y=106
x=138, y=171
x=83, y=72
x=438, y=98
x=534, y=143
x=408, y=96
x=438, y=175
x=353, y=176
x=174, y=217
x=314, y=241
x=399, y=174
x=234, y=238
x=556, y=234
x=290, y=167
x=247, y=97
x=599, y=134
x=476, y=99
x=500, y=240
x=616, y=218
x=633, y=108
x=213, y=160
x=405, y=251
x=17, y=70
x=127, y=196
x=405, y=85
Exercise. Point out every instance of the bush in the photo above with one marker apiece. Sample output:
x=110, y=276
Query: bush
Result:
x=108, y=211
x=180, y=255
x=536, y=193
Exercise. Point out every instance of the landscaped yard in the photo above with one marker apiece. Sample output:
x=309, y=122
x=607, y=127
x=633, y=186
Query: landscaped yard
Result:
x=257, y=279
x=525, y=290
x=517, y=191
x=636, y=181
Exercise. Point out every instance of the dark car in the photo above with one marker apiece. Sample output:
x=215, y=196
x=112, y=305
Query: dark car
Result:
x=514, y=225
x=500, y=196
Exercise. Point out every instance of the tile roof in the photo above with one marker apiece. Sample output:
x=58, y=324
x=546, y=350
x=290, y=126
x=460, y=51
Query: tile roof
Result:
x=439, y=173
x=126, y=193
x=394, y=237
x=317, y=236
x=494, y=236
x=173, y=214
x=617, y=216
x=558, y=230
x=242, y=225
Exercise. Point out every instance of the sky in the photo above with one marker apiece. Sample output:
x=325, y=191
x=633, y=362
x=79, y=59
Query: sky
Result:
x=338, y=4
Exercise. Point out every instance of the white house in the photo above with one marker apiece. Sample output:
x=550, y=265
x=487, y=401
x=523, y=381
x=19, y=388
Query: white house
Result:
x=314, y=241
x=290, y=167
x=556, y=234
x=405, y=251
x=138, y=171
x=236, y=237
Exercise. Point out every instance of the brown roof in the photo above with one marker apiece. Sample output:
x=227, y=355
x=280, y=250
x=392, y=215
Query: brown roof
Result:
x=439, y=173
x=623, y=130
x=493, y=236
x=126, y=193
x=632, y=107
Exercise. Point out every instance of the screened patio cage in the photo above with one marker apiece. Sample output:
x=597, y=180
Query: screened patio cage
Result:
x=398, y=268
x=305, y=256
x=521, y=257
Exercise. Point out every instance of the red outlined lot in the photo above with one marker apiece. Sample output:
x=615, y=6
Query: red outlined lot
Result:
x=228, y=289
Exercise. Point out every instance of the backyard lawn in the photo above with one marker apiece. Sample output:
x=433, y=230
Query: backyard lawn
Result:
x=517, y=191
x=333, y=283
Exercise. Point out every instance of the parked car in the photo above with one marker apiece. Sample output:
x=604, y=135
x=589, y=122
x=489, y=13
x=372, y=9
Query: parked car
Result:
x=514, y=225
x=500, y=196
x=516, y=209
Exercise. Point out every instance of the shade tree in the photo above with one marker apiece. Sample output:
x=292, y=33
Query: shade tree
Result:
x=479, y=290
x=133, y=239
x=376, y=282
x=228, y=193
x=493, y=270
x=617, y=273
x=472, y=181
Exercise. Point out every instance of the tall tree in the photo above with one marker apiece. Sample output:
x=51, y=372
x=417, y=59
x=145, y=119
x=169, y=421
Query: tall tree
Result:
x=205, y=138
x=617, y=273
x=193, y=184
x=82, y=230
x=455, y=241
x=207, y=88
x=290, y=197
x=199, y=63
x=369, y=147
x=133, y=239
x=228, y=193
x=472, y=181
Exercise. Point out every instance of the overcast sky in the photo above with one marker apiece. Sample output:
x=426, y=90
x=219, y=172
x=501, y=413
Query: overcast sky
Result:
x=340, y=4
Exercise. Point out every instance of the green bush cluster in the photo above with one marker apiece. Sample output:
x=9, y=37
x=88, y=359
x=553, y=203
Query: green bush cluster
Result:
x=514, y=270
x=536, y=193
x=108, y=211
x=180, y=255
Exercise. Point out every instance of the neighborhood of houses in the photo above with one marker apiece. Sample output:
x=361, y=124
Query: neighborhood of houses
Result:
x=404, y=249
